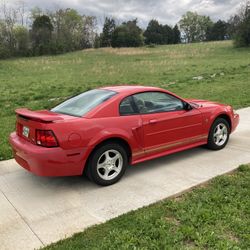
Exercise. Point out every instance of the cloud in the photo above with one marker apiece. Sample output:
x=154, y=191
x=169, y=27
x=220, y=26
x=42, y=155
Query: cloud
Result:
x=165, y=11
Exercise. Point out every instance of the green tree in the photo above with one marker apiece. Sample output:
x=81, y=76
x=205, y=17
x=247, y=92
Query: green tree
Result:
x=42, y=34
x=167, y=34
x=68, y=29
x=72, y=31
x=242, y=35
x=8, y=19
x=51, y=32
x=218, y=31
x=158, y=34
x=127, y=35
x=97, y=42
x=176, y=35
x=14, y=38
x=5, y=50
x=195, y=27
x=233, y=24
x=21, y=35
x=154, y=33
x=107, y=32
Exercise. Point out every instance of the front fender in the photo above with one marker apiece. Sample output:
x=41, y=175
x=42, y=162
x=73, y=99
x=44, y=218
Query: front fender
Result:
x=211, y=115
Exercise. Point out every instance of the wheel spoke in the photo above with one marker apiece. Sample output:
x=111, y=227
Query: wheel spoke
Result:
x=106, y=173
x=216, y=134
x=116, y=169
x=101, y=165
x=217, y=139
x=107, y=156
x=115, y=158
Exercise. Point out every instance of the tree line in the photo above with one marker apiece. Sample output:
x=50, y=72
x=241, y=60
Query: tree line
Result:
x=47, y=33
x=64, y=30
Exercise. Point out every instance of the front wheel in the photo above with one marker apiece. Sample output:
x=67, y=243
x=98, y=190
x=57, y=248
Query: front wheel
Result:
x=219, y=134
x=107, y=164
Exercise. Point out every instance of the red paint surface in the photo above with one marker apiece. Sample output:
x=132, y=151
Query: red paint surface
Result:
x=148, y=135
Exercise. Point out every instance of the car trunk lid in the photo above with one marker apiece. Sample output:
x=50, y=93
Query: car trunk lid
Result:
x=29, y=121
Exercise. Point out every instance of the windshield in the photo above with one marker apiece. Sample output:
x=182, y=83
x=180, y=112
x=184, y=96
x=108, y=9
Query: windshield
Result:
x=83, y=103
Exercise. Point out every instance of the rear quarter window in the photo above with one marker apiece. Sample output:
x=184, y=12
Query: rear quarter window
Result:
x=83, y=103
x=127, y=107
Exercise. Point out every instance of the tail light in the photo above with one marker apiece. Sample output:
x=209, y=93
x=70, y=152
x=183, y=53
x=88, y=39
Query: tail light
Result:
x=46, y=138
x=19, y=128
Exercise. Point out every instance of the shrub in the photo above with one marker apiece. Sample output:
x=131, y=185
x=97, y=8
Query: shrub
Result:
x=4, y=52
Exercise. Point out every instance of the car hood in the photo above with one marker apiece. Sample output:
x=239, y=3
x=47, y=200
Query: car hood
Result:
x=204, y=103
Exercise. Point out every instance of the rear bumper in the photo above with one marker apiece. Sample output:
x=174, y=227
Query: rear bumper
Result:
x=47, y=161
x=235, y=121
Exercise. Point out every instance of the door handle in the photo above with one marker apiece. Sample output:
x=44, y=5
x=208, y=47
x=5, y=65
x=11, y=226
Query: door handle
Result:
x=152, y=121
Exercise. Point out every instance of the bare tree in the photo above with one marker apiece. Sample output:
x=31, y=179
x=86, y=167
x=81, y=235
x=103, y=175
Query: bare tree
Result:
x=21, y=10
x=89, y=31
x=9, y=19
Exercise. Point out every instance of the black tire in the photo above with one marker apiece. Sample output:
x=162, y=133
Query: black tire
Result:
x=98, y=155
x=211, y=144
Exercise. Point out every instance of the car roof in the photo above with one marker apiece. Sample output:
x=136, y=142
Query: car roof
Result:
x=130, y=89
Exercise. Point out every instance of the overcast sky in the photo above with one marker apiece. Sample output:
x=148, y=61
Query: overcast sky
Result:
x=165, y=11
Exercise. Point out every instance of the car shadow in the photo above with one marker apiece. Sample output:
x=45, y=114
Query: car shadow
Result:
x=164, y=161
x=82, y=182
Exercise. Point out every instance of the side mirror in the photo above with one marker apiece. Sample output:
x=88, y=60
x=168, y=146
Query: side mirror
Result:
x=187, y=106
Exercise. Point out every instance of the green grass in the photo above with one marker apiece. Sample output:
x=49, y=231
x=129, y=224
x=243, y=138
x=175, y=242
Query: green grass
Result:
x=213, y=216
x=36, y=82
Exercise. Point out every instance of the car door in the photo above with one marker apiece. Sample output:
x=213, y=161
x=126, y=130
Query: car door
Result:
x=167, y=124
x=131, y=121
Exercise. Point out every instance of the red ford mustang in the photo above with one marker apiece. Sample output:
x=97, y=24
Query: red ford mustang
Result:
x=101, y=131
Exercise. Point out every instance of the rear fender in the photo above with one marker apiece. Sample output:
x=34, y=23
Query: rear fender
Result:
x=108, y=134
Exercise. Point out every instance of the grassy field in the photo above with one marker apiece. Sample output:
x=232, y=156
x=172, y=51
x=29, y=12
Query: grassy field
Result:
x=213, y=216
x=41, y=82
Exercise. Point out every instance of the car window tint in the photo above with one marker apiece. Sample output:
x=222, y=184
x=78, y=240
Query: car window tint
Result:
x=155, y=102
x=126, y=107
x=83, y=103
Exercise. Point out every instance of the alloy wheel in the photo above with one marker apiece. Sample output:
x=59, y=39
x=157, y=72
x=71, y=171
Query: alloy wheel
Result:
x=109, y=164
x=220, y=134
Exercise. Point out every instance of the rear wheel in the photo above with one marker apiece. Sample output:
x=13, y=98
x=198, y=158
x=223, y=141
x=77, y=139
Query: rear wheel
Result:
x=107, y=164
x=219, y=134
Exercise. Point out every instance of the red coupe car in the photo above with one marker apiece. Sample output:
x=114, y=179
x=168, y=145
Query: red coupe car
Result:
x=101, y=131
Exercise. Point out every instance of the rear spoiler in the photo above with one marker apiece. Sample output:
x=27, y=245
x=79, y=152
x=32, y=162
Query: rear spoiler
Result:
x=41, y=115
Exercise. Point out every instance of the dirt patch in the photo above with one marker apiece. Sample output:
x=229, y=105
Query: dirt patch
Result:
x=126, y=51
x=232, y=237
x=173, y=220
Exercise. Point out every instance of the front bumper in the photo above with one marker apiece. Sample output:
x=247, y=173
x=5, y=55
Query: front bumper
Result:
x=47, y=161
x=235, y=121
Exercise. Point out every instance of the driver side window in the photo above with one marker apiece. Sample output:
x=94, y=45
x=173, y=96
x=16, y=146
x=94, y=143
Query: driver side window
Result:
x=156, y=102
